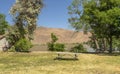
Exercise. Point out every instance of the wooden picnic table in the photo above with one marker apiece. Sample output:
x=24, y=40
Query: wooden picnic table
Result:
x=66, y=56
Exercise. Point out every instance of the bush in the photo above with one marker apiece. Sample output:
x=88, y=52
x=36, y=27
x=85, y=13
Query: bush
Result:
x=56, y=47
x=12, y=49
x=50, y=46
x=53, y=46
x=23, y=45
x=78, y=48
x=59, y=47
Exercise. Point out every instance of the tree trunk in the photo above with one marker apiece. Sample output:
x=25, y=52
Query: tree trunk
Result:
x=96, y=42
x=97, y=45
x=110, y=44
x=104, y=44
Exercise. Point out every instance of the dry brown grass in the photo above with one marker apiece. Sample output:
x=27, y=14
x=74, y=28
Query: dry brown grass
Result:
x=43, y=63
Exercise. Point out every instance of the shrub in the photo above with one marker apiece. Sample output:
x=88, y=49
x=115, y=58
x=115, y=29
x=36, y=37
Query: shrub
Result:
x=12, y=49
x=78, y=48
x=23, y=45
x=53, y=46
x=59, y=47
x=50, y=46
x=56, y=47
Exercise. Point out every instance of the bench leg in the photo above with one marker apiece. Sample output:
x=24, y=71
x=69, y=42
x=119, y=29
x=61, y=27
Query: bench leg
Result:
x=76, y=57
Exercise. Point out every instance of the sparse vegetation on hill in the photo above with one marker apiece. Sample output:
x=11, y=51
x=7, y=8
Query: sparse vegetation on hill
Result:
x=42, y=36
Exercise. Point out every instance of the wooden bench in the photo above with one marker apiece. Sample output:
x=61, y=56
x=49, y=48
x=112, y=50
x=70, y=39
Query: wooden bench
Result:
x=66, y=56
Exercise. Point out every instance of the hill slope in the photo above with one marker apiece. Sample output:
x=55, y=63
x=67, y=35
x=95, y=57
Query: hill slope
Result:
x=42, y=35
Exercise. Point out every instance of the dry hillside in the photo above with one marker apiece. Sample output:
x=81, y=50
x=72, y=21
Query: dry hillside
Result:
x=42, y=36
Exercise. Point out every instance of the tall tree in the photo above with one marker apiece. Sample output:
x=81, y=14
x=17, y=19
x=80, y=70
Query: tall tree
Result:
x=3, y=24
x=102, y=16
x=25, y=14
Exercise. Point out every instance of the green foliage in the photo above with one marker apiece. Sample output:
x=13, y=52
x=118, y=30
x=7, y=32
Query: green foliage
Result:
x=12, y=49
x=56, y=47
x=78, y=48
x=3, y=24
x=53, y=46
x=54, y=38
x=13, y=35
x=23, y=45
x=76, y=12
x=50, y=46
x=25, y=14
x=116, y=44
x=59, y=47
x=102, y=17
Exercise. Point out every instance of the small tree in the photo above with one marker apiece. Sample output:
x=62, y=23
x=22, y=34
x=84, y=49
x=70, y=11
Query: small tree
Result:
x=53, y=46
x=52, y=43
x=54, y=38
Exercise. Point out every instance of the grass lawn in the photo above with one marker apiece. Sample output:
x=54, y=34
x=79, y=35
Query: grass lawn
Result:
x=43, y=63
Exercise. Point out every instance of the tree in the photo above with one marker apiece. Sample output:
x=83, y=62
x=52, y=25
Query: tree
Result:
x=54, y=38
x=53, y=46
x=3, y=24
x=53, y=41
x=102, y=16
x=13, y=35
x=25, y=14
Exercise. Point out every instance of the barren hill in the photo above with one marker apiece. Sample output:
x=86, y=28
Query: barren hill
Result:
x=42, y=35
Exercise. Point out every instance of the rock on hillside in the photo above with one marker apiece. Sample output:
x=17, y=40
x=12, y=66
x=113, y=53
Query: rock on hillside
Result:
x=42, y=35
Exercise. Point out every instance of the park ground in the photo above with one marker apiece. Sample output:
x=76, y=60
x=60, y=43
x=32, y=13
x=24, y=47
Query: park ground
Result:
x=44, y=63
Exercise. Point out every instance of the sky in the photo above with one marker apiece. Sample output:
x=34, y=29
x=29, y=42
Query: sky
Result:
x=54, y=13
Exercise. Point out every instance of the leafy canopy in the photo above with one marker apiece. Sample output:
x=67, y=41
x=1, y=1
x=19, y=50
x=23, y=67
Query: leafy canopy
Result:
x=102, y=17
x=25, y=14
x=3, y=24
